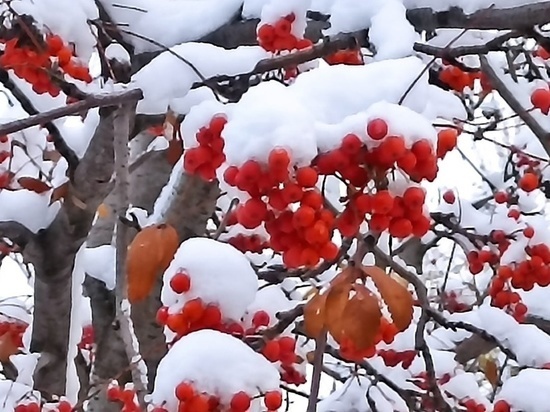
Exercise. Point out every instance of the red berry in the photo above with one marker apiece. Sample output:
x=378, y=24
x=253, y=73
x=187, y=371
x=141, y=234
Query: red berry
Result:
x=278, y=159
x=541, y=100
x=273, y=400
x=114, y=393
x=287, y=344
x=501, y=406
x=529, y=232
x=184, y=391
x=162, y=315
x=528, y=182
x=306, y=177
x=501, y=197
x=272, y=351
x=64, y=406
x=240, y=402
x=449, y=197
x=180, y=282
x=377, y=129
x=261, y=318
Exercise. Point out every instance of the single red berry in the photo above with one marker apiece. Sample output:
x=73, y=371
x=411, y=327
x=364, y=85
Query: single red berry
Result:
x=261, y=318
x=114, y=393
x=377, y=129
x=529, y=232
x=449, y=197
x=528, y=182
x=501, y=197
x=240, y=402
x=184, y=391
x=541, y=100
x=501, y=406
x=180, y=282
x=273, y=400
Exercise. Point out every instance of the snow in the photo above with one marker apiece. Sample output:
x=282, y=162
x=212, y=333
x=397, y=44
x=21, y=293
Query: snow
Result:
x=167, y=76
x=115, y=51
x=219, y=274
x=169, y=22
x=215, y=363
x=66, y=18
x=99, y=263
x=527, y=391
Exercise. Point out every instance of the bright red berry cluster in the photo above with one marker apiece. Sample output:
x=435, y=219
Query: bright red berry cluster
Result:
x=393, y=358
x=457, y=79
x=302, y=235
x=62, y=406
x=37, y=63
x=248, y=243
x=193, y=400
x=452, y=305
x=126, y=397
x=278, y=37
x=208, y=156
x=283, y=350
x=15, y=330
x=471, y=405
x=350, y=57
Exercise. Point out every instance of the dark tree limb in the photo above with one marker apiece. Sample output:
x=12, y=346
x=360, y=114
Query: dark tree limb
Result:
x=16, y=232
x=515, y=105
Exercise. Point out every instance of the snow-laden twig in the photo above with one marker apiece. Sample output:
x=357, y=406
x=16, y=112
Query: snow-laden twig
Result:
x=121, y=125
x=93, y=101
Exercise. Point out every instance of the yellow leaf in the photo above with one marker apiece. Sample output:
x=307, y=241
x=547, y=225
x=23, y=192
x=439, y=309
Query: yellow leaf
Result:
x=103, y=211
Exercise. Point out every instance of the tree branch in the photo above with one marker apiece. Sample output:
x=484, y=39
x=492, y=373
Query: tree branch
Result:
x=16, y=232
x=98, y=100
x=515, y=105
x=121, y=123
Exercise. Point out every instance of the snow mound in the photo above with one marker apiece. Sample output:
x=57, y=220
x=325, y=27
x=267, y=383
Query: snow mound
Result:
x=169, y=22
x=99, y=263
x=219, y=273
x=215, y=363
x=168, y=77
x=528, y=391
x=270, y=299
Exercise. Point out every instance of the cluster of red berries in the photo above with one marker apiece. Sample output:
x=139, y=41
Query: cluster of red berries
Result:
x=88, y=338
x=540, y=99
x=457, y=79
x=477, y=260
x=401, y=216
x=471, y=405
x=36, y=64
x=393, y=358
x=62, y=406
x=278, y=37
x=192, y=400
x=452, y=305
x=208, y=156
x=350, y=57
x=281, y=350
x=386, y=333
x=303, y=236
x=127, y=397
x=15, y=330
x=248, y=243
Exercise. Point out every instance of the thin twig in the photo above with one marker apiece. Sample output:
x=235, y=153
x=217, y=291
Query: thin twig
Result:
x=320, y=344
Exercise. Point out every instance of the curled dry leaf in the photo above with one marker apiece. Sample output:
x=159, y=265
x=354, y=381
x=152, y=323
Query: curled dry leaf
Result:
x=59, y=193
x=314, y=315
x=33, y=184
x=337, y=300
x=7, y=347
x=397, y=297
x=103, y=211
x=149, y=254
x=360, y=319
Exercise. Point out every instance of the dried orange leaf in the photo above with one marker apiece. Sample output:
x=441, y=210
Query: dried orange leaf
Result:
x=7, y=347
x=337, y=299
x=34, y=185
x=59, y=193
x=397, y=297
x=314, y=315
x=360, y=319
x=103, y=211
x=174, y=151
x=149, y=255
x=491, y=372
